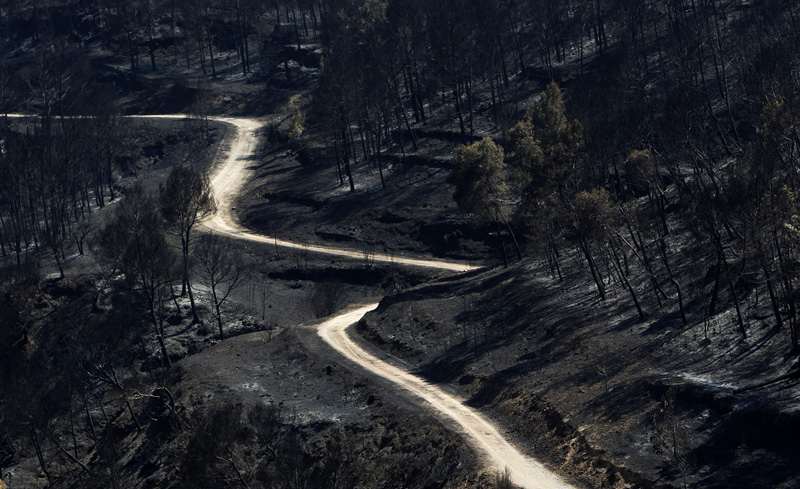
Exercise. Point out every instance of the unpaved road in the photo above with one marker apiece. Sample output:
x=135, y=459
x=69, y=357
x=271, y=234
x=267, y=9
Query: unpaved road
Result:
x=524, y=471
x=227, y=179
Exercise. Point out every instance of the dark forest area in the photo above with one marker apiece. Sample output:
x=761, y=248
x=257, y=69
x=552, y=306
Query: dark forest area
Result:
x=666, y=134
x=641, y=158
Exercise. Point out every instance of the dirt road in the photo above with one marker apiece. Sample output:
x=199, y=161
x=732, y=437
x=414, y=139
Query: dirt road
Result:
x=524, y=471
x=227, y=179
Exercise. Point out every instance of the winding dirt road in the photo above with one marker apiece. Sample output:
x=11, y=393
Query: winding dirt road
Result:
x=524, y=471
x=227, y=180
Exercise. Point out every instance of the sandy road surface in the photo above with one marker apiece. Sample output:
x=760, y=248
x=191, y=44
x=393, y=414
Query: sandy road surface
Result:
x=229, y=176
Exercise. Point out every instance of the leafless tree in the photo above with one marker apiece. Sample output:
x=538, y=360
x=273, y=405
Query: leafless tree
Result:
x=186, y=199
x=134, y=243
x=198, y=120
x=669, y=437
x=221, y=268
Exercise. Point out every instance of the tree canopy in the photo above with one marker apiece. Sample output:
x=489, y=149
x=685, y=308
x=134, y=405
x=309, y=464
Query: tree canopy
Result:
x=479, y=179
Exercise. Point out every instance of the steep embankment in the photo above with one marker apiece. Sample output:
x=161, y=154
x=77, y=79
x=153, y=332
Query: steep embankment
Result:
x=595, y=391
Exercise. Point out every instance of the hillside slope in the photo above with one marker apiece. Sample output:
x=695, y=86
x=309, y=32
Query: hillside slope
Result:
x=599, y=394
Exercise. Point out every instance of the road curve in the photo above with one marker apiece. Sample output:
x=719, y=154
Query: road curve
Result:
x=227, y=180
x=524, y=471
x=228, y=177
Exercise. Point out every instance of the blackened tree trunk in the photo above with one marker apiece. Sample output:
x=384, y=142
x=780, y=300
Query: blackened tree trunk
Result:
x=598, y=279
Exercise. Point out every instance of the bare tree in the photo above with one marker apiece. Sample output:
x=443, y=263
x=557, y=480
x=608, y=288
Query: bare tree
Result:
x=198, y=120
x=134, y=243
x=669, y=438
x=186, y=199
x=221, y=268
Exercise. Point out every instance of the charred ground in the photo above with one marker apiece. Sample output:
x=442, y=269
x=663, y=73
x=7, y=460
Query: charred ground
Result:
x=600, y=392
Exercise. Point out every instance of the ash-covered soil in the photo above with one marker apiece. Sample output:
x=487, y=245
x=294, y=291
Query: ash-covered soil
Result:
x=149, y=419
x=325, y=401
x=250, y=394
x=152, y=419
x=414, y=214
x=603, y=396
